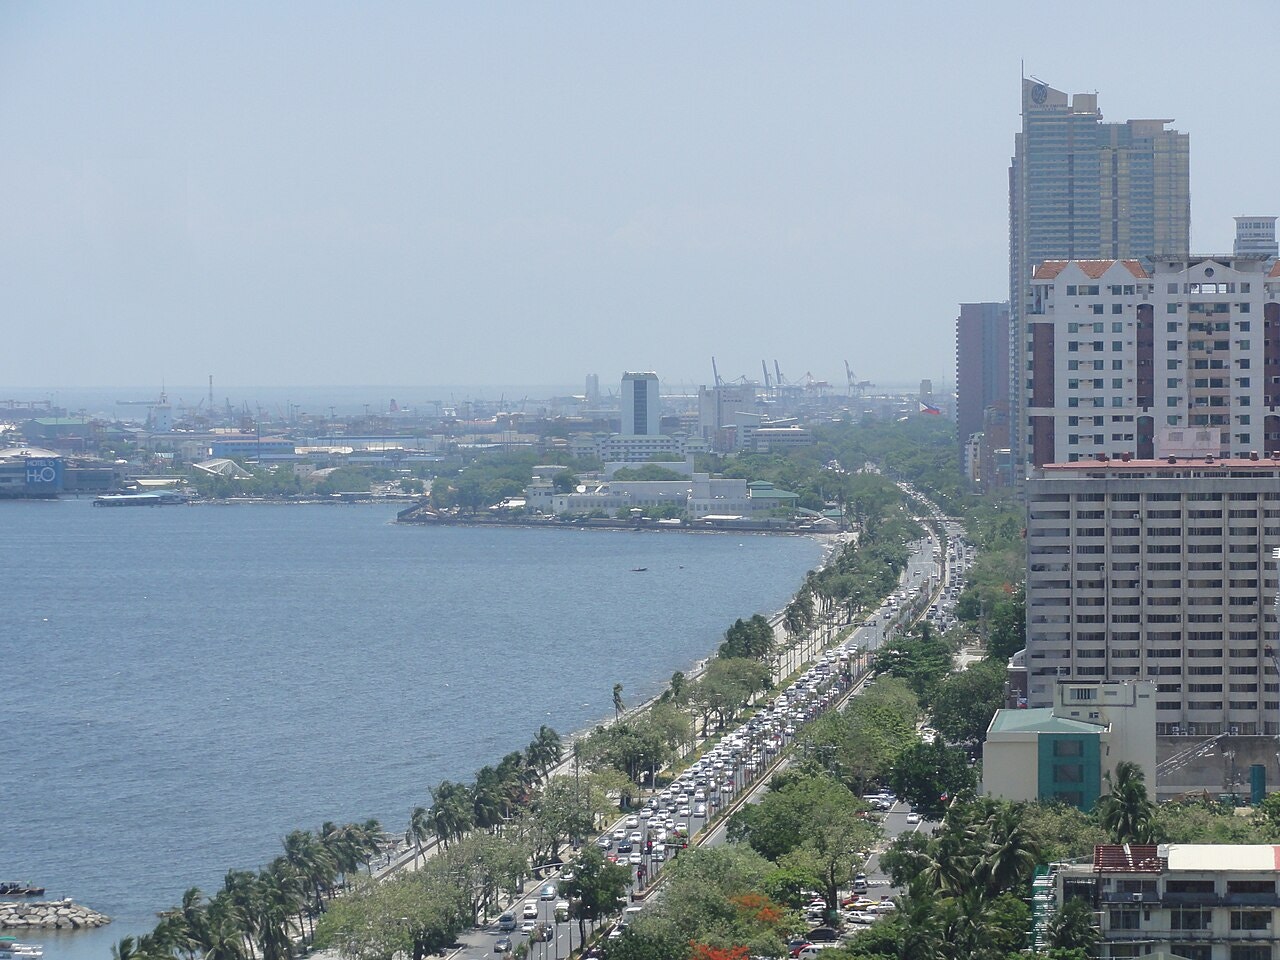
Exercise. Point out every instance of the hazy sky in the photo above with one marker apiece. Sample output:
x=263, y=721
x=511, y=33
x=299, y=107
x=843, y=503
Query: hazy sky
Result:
x=422, y=193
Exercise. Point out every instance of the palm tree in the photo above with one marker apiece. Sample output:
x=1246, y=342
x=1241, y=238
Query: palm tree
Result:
x=280, y=898
x=1010, y=855
x=313, y=864
x=126, y=949
x=243, y=889
x=370, y=834
x=1125, y=811
x=420, y=829
x=517, y=778
x=545, y=751
x=950, y=867
x=1072, y=927
x=224, y=936
x=185, y=924
x=450, y=811
x=487, y=799
x=617, y=702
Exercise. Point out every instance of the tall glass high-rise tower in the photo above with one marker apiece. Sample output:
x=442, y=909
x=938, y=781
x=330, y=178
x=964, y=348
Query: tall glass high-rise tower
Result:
x=1083, y=189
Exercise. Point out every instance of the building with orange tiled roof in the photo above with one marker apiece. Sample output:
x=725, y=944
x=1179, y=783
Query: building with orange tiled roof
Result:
x=1081, y=189
x=1175, y=355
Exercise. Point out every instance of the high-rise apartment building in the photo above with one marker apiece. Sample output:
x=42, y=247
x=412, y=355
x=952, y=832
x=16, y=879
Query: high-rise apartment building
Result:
x=1161, y=570
x=1170, y=356
x=1083, y=189
x=982, y=363
x=640, y=411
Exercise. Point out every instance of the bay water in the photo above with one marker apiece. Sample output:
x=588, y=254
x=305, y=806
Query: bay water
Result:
x=182, y=686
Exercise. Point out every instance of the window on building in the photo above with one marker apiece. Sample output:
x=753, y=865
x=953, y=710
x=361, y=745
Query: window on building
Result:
x=1250, y=919
x=1190, y=918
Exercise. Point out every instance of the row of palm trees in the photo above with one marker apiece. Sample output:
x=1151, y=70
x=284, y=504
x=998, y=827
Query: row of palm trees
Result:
x=257, y=915
x=492, y=800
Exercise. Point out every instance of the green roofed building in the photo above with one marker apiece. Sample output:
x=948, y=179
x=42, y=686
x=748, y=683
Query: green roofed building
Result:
x=764, y=497
x=1062, y=753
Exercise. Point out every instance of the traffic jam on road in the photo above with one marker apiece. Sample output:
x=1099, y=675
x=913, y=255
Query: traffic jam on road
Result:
x=674, y=816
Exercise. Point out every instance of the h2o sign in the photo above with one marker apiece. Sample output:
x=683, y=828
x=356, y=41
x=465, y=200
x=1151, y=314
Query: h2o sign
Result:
x=42, y=472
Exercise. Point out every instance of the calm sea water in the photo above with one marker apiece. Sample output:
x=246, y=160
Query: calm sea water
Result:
x=183, y=686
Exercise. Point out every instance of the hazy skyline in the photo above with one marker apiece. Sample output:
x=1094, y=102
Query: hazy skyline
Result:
x=394, y=193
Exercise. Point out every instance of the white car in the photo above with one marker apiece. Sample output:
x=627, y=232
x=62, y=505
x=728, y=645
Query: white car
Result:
x=913, y=817
x=635, y=859
x=620, y=834
x=637, y=838
x=530, y=910
x=633, y=822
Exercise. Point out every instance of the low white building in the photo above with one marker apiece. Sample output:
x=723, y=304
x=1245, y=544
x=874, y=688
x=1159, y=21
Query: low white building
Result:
x=1064, y=752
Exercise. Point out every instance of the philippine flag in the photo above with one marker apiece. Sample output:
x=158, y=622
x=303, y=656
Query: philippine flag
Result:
x=929, y=409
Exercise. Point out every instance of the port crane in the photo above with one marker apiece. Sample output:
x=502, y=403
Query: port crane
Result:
x=857, y=388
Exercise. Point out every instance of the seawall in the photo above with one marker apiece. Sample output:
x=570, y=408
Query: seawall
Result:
x=49, y=915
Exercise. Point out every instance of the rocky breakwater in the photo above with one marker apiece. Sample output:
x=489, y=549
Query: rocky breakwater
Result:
x=49, y=915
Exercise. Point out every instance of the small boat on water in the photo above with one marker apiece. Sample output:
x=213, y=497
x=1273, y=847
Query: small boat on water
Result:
x=138, y=499
x=11, y=888
x=639, y=569
x=11, y=949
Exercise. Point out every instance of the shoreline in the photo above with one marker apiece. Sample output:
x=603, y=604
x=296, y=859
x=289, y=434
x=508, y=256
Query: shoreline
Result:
x=696, y=657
